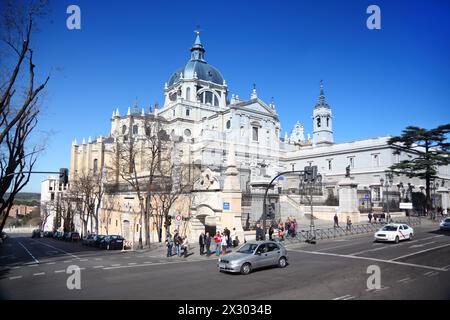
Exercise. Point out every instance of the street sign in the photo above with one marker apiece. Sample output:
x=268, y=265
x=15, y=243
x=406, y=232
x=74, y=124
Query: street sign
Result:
x=226, y=206
x=178, y=219
x=281, y=178
x=366, y=197
x=406, y=205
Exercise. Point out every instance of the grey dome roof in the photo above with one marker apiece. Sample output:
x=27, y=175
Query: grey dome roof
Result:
x=204, y=72
x=197, y=65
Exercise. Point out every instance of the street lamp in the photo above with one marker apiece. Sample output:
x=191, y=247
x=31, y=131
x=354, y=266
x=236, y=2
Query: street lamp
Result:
x=387, y=184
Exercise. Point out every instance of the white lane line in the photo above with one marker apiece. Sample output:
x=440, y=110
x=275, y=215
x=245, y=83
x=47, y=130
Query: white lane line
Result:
x=115, y=265
x=98, y=259
x=59, y=271
x=18, y=267
x=33, y=265
x=61, y=250
x=405, y=279
x=15, y=277
x=67, y=261
x=35, y=260
x=96, y=267
x=39, y=274
x=148, y=262
x=421, y=245
x=151, y=264
x=446, y=267
x=83, y=259
x=431, y=273
x=342, y=297
x=370, y=259
x=132, y=263
x=51, y=263
x=421, y=251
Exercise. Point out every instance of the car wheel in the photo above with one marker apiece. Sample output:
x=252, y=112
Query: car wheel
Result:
x=396, y=239
x=410, y=237
x=282, y=262
x=246, y=268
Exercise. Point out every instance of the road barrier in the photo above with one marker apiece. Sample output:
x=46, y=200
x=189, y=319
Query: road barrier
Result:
x=127, y=244
x=335, y=232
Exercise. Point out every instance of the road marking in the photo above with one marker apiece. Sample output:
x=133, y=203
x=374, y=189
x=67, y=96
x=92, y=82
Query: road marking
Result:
x=18, y=267
x=59, y=271
x=377, y=290
x=51, y=263
x=346, y=297
x=446, y=267
x=152, y=264
x=96, y=267
x=431, y=273
x=33, y=265
x=421, y=251
x=148, y=262
x=421, y=245
x=61, y=250
x=83, y=268
x=98, y=259
x=67, y=261
x=132, y=263
x=370, y=259
x=336, y=247
x=406, y=279
x=39, y=274
x=35, y=260
x=84, y=259
x=115, y=265
x=16, y=277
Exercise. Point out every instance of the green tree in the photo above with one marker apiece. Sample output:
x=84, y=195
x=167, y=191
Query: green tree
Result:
x=431, y=149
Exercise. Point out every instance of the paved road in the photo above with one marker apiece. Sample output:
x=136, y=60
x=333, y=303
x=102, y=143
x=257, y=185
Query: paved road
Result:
x=334, y=269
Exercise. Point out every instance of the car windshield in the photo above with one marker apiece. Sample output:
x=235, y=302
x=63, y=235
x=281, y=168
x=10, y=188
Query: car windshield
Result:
x=248, y=248
x=389, y=228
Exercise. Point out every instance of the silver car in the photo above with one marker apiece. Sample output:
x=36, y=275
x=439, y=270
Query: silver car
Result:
x=253, y=255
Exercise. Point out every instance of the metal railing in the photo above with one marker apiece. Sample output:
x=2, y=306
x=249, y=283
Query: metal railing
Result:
x=335, y=232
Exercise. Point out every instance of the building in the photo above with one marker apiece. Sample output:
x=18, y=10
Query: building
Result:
x=209, y=126
x=52, y=191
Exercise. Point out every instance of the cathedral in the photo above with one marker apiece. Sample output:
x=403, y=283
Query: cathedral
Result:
x=240, y=139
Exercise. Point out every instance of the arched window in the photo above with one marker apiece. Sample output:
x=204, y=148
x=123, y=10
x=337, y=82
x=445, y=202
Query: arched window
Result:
x=95, y=165
x=228, y=124
x=208, y=97
x=148, y=131
x=328, y=121
x=318, y=122
x=135, y=129
x=124, y=129
x=216, y=101
x=188, y=94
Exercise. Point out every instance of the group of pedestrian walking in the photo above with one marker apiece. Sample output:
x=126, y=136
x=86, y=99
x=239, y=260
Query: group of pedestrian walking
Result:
x=180, y=243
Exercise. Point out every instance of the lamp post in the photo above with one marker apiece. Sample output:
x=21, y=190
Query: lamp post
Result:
x=387, y=183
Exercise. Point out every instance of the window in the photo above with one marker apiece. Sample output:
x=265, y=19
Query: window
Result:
x=208, y=97
x=188, y=112
x=188, y=94
x=351, y=162
x=95, y=165
x=272, y=247
x=228, y=124
x=50, y=188
x=328, y=121
x=330, y=165
x=173, y=111
x=216, y=101
x=124, y=129
x=52, y=196
x=318, y=122
x=255, y=133
x=147, y=131
x=187, y=132
x=376, y=194
x=116, y=222
x=135, y=129
x=376, y=160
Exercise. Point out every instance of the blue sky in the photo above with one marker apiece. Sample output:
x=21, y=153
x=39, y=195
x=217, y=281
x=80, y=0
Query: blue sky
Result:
x=376, y=81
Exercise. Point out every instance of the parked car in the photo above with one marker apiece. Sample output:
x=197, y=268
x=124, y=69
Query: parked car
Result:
x=97, y=240
x=253, y=255
x=58, y=235
x=37, y=233
x=112, y=242
x=65, y=236
x=88, y=239
x=48, y=234
x=445, y=224
x=394, y=232
x=74, y=237
x=3, y=236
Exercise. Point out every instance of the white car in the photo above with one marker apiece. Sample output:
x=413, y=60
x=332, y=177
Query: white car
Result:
x=445, y=224
x=394, y=232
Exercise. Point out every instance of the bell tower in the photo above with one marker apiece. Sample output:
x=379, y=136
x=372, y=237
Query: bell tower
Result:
x=322, y=121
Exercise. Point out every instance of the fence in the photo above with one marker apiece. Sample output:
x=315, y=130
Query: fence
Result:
x=330, y=233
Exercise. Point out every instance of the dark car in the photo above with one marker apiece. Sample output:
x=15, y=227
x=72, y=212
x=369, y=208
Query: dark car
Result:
x=3, y=236
x=74, y=237
x=97, y=240
x=66, y=236
x=87, y=240
x=58, y=235
x=37, y=233
x=48, y=234
x=112, y=242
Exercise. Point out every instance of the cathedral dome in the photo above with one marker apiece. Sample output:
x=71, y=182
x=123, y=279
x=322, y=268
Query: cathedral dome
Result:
x=197, y=67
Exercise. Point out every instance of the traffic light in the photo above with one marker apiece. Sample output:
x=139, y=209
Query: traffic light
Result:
x=310, y=173
x=63, y=176
x=168, y=222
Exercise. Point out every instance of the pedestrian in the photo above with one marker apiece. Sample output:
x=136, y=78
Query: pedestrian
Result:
x=185, y=246
x=287, y=226
x=227, y=234
x=349, y=224
x=234, y=239
x=201, y=242
x=218, y=242
x=177, y=241
x=224, y=243
x=259, y=232
x=336, y=221
x=208, y=244
x=169, y=244
x=271, y=230
x=281, y=233
x=370, y=217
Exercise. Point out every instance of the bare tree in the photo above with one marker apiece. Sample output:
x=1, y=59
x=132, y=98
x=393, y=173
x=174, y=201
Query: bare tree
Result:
x=46, y=210
x=18, y=114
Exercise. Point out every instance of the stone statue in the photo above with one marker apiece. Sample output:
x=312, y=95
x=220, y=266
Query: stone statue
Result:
x=347, y=171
